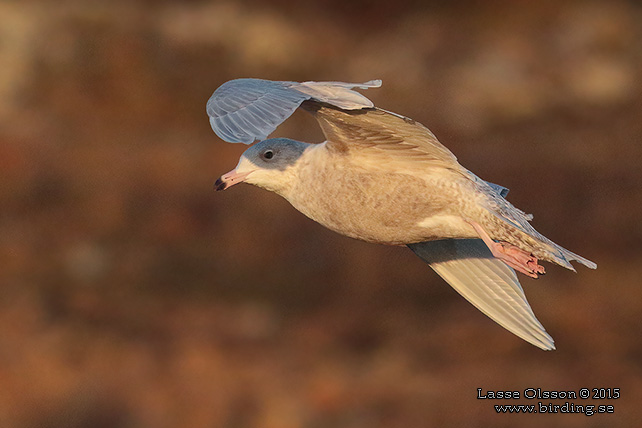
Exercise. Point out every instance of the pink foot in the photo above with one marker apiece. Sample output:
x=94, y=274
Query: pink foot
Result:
x=520, y=260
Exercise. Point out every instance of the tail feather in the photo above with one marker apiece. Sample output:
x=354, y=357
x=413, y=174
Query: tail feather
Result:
x=569, y=256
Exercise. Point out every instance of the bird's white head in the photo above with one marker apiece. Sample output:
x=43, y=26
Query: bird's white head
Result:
x=269, y=164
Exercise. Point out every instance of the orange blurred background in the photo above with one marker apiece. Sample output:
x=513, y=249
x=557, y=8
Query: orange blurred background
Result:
x=135, y=296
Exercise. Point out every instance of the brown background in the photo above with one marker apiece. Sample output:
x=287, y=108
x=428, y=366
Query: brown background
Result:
x=132, y=295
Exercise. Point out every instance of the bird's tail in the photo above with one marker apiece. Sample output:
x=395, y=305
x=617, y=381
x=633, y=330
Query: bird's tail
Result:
x=564, y=257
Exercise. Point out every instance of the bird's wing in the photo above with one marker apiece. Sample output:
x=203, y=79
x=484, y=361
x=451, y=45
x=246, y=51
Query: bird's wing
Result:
x=245, y=110
x=380, y=134
x=501, y=190
x=486, y=282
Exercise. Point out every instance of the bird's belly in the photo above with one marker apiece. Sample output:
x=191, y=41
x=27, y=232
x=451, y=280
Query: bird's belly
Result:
x=391, y=209
x=447, y=226
x=395, y=231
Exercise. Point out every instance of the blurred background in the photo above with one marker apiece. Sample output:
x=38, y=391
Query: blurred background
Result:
x=133, y=295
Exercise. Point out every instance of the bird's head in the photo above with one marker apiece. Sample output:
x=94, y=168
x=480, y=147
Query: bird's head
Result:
x=268, y=164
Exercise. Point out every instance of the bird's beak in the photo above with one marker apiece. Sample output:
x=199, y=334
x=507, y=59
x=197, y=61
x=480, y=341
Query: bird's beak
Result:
x=230, y=179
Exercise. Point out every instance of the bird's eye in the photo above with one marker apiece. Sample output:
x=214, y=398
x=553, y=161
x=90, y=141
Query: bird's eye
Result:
x=268, y=154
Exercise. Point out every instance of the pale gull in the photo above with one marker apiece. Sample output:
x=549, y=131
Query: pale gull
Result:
x=384, y=178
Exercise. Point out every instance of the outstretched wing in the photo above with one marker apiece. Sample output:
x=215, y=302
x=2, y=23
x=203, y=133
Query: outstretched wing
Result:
x=245, y=110
x=486, y=282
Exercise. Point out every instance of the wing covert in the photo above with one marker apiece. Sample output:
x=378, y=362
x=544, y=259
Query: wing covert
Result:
x=380, y=132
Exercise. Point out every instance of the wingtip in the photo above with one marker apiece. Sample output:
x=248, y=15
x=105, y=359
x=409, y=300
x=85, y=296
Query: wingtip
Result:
x=549, y=345
x=539, y=338
x=376, y=83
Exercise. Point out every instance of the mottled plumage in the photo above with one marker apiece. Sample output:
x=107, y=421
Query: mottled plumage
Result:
x=384, y=178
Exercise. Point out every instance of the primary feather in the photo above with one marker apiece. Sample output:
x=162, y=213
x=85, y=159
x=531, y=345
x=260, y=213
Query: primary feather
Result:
x=246, y=110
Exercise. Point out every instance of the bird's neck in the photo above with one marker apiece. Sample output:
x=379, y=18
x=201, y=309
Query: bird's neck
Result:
x=311, y=160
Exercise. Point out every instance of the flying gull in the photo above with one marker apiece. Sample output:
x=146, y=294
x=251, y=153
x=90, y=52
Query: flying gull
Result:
x=384, y=178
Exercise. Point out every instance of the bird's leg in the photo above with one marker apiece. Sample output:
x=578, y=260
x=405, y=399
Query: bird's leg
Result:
x=520, y=260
